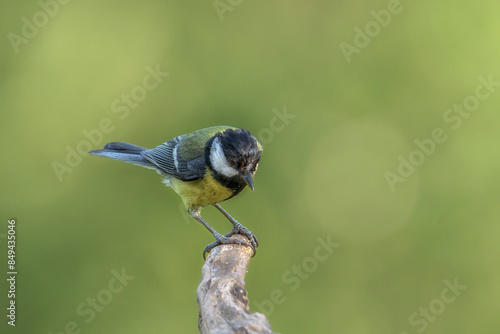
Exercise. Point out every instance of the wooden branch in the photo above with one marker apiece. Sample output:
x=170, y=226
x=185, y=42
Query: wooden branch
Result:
x=221, y=295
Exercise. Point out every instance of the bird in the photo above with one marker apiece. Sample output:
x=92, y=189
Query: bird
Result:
x=205, y=167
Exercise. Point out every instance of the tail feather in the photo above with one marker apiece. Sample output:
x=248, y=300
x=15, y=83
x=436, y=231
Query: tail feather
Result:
x=121, y=146
x=124, y=152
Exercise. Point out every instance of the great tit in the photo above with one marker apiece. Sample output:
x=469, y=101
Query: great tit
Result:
x=204, y=167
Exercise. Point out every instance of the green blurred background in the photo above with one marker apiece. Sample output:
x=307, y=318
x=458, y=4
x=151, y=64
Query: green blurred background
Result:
x=322, y=174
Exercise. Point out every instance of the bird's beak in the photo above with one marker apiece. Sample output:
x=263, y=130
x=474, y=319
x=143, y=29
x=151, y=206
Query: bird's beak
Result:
x=248, y=179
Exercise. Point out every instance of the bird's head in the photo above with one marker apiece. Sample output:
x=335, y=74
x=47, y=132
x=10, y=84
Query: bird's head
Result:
x=235, y=153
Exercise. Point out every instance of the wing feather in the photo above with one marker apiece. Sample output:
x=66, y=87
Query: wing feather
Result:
x=183, y=157
x=167, y=159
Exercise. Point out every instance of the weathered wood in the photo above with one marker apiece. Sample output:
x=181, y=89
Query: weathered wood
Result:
x=221, y=295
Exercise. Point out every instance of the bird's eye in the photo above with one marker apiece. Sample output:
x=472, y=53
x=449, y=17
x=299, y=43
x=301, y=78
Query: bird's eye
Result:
x=254, y=169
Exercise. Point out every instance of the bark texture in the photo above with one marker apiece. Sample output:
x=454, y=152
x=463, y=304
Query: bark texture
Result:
x=221, y=295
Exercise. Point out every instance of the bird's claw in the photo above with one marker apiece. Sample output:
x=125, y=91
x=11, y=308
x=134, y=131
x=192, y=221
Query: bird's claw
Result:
x=240, y=229
x=225, y=240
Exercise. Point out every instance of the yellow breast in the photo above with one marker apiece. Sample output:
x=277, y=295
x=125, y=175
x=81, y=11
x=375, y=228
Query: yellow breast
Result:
x=200, y=193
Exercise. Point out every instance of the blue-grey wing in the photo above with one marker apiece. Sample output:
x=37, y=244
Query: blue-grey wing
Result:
x=168, y=160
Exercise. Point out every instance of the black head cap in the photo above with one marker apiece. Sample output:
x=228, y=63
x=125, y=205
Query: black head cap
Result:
x=242, y=150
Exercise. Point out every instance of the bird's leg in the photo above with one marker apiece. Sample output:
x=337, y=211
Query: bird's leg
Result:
x=239, y=229
x=220, y=239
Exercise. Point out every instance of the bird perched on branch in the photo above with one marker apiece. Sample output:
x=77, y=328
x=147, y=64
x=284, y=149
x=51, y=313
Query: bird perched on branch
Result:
x=205, y=167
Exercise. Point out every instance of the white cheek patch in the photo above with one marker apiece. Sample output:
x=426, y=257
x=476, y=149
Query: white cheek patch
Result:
x=219, y=161
x=176, y=162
